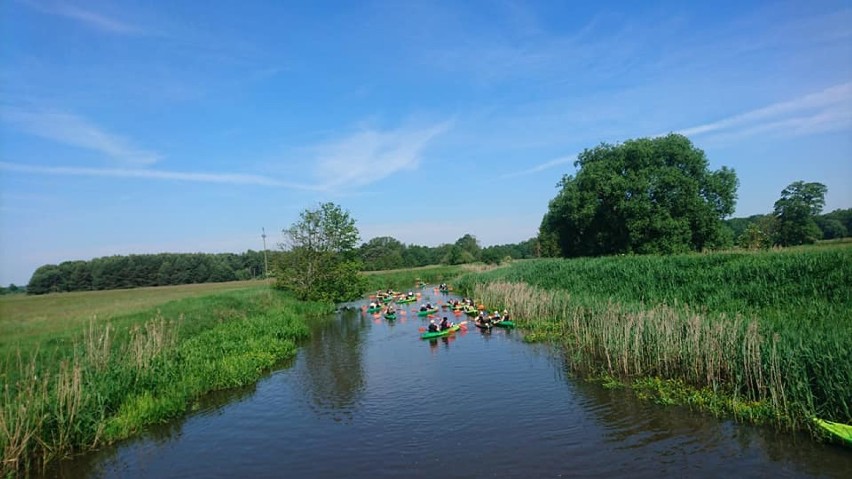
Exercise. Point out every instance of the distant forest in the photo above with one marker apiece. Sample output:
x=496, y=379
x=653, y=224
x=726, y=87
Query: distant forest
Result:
x=133, y=271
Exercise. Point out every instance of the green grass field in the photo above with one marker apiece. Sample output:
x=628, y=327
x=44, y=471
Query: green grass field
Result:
x=29, y=321
x=82, y=369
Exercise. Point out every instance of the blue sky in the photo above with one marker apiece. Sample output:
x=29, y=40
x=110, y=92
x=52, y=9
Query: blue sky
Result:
x=145, y=127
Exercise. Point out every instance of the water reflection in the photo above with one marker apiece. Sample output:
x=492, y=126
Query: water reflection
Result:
x=685, y=442
x=368, y=398
x=333, y=374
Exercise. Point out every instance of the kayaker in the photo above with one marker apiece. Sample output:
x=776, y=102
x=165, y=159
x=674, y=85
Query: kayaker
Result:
x=433, y=328
x=505, y=316
x=423, y=307
x=445, y=324
x=496, y=316
x=391, y=310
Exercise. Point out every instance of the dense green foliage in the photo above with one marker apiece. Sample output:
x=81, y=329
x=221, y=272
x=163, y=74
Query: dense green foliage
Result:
x=117, y=377
x=650, y=195
x=795, y=211
x=319, y=262
x=385, y=252
x=13, y=289
x=165, y=269
x=117, y=272
x=763, y=231
x=769, y=327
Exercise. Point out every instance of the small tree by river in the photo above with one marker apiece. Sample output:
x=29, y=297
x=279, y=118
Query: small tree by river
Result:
x=319, y=260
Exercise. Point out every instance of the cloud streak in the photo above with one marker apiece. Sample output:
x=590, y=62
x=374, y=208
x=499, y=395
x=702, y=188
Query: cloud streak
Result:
x=222, y=178
x=76, y=131
x=87, y=17
x=818, y=112
x=371, y=155
x=563, y=160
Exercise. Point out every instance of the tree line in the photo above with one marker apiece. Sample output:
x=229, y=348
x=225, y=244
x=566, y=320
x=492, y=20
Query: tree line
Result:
x=320, y=260
x=133, y=271
x=139, y=270
x=766, y=230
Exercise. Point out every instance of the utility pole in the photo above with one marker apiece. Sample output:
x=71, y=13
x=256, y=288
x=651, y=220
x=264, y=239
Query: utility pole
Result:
x=265, y=261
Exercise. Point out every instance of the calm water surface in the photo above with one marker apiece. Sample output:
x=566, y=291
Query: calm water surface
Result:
x=367, y=398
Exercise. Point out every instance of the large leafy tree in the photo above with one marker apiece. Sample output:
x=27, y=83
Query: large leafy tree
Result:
x=649, y=195
x=319, y=260
x=383, y=252
x=796, y=210
x=470, y=245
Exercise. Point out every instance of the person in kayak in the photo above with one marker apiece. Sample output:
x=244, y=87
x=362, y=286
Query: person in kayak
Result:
x=422, y=307
x=495, y=318
x=433, y=328
x=505, y=316
x=391, y=310
x=483, y=320
x=445, y=324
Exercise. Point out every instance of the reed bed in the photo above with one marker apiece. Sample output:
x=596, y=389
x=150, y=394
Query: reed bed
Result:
x=119, y=376
x=765, y=336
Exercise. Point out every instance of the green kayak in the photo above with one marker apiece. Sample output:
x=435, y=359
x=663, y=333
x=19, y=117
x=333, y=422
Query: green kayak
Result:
x=836, y=429
x=390, y=316
x=438, y=334
x=505, y=324
x=427, y=312
x=374, y=310
x=407, y=300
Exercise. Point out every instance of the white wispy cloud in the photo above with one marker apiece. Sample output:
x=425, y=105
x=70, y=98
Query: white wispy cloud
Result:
x=89, y=18
x=371, y=155
x=822, y=111
x=76, y=131
x=224, y=178
x=563, y=160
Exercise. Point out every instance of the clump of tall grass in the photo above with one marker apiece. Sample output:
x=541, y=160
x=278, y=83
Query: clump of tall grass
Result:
x=125, y=374
x=766, y=329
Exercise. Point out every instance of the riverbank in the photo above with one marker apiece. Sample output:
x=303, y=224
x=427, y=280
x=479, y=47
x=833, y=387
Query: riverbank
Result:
x=71, y=386
x=763, y=337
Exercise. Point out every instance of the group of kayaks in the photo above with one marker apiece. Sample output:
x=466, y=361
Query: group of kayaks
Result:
x=381, y=305
x=838, y=431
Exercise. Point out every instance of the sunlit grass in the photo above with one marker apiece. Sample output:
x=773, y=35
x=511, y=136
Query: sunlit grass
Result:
x=71, y=391
x=26, y=321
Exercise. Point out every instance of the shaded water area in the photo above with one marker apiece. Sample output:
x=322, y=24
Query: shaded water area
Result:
x=367, y=398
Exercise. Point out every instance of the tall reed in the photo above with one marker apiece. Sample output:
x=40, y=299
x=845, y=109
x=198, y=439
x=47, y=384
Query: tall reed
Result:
x=122, y=375
x=765, y=329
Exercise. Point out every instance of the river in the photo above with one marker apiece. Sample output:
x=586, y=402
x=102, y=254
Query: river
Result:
x=367, y=398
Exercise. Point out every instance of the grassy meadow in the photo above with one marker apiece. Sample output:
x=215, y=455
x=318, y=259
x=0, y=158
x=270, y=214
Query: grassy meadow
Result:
x=93, y=368
x=763, y=336
x=29, y=321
